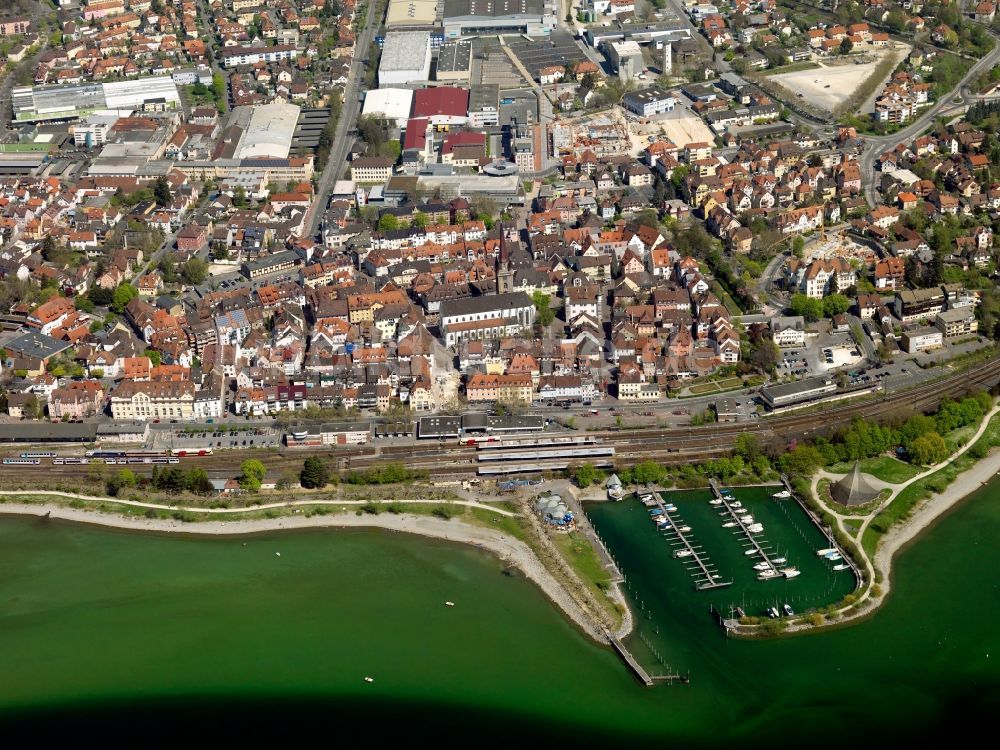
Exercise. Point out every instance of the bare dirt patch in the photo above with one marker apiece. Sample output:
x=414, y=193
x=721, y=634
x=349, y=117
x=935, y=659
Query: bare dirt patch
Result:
x=830, y=85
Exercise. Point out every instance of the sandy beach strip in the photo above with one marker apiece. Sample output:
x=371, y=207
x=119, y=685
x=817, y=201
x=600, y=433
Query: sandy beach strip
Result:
x=509, y=550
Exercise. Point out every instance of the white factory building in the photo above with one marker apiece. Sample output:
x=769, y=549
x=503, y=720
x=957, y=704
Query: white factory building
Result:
x=389, y=104
x=269, y=131
x=406, y=58
x=67, y=102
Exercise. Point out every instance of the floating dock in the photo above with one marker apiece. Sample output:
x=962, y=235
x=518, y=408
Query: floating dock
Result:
x=760, y=552
x=705, y=574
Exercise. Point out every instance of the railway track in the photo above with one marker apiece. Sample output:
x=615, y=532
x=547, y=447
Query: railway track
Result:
x=670, y=446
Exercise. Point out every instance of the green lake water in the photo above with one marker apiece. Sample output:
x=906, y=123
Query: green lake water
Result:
x=117, y=632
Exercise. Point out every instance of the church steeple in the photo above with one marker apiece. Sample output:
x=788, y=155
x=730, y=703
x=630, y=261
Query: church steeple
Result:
x=505, y=275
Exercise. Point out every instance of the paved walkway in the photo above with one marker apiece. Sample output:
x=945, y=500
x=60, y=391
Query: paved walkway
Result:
x=894, y=489
x=264, y=506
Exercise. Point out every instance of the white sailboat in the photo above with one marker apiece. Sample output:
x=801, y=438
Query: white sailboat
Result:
x=783, y=494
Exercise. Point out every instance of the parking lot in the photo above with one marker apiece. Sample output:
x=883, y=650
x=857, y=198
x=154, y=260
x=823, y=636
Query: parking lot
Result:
x=559, y=49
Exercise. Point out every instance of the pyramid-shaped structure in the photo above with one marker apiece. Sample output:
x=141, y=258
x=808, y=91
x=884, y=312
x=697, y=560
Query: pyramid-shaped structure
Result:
x=852, y=488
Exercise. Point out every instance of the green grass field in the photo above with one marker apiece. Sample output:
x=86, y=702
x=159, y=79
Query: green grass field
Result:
x=881, y=467
x=715, y=386
x=791, y=68
x=902, y=506
x=583, y=558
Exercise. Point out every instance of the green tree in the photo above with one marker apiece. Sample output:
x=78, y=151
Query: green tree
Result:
x=252, y=473
x=123, y=294
x=585, y=475
x=387, y=222
x=198, y=481
x=835, y=304
x=154, y=357
x=543, y=313
x=161, y=191
x=83, y=304
x=928, y=449
x=123, y=478
x=809, y=308
x=802, y=461
x=420, y=219
x=765, y=355
x=100, y=296
x=314, y=474
x=798, y=246
x=49, y=248
x=748, y=447
x=846, y=45
x=194, y=270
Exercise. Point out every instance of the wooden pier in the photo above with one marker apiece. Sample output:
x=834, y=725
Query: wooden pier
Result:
x=644, y=677
x=760, y=553
x=706, y=575
x=627, y=657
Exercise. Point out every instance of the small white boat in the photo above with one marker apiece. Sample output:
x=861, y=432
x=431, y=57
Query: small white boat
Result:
x=790, y=572
x=762, y=566
x=779, y=560
x=684, y=529
x=682, y=553
x=756, y=528
x=766, y=575
x=729, y=525
x=670, y=507
x=750, y=552
x=736, y=504
x=842, y=566
x=789, y=611
x=772, y=612
x=747, y=519
x=834, y=557
x=449, y=604
x=369, y=679
x=277, y=554
x=825, y=552
x=717, y=501
x=782, y=494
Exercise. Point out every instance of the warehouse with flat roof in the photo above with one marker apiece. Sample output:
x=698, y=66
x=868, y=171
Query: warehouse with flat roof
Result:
x=406, y=58
x=483, y=17
x=404, y=14
x=454, y=61
x=69, y=102
x=389, y=104
x=785, y=394
x=269, y=131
